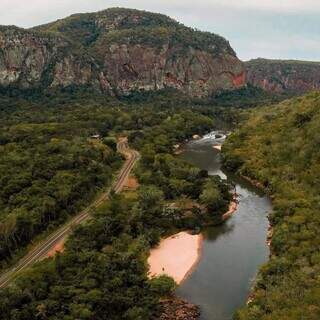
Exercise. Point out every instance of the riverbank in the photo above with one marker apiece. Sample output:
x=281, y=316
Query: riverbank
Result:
x=233, y=206
x=178, y=309
x=260, y=186
x=255, y=183
x=176, y=256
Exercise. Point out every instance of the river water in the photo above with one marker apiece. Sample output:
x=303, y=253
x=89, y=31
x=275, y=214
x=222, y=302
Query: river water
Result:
x=233, y=251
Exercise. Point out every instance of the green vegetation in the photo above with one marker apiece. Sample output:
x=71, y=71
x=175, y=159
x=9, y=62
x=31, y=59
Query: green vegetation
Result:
x=279, y=147
x=93, y=31
x=246, y=97
x=175, y=178
x=102, y=274
x=49, y=169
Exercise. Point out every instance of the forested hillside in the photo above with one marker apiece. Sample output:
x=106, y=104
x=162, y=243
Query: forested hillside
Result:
x=279, y=147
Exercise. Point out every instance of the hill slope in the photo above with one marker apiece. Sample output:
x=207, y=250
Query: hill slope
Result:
x=279, y=146
x=118, y=51
x=284, y=76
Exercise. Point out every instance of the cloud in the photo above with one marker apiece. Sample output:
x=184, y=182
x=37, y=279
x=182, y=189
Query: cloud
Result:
x=35, y=12
x=294, y=47
x=281, y=6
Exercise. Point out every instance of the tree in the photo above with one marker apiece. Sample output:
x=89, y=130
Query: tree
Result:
x=163, y=285
x=211, y=196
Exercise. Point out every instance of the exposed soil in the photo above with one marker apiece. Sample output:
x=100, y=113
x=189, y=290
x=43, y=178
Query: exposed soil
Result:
x=131, y=183
x=59, y=247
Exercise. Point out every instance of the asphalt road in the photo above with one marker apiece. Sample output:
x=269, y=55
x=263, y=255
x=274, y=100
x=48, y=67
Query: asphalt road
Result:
x=45, y=247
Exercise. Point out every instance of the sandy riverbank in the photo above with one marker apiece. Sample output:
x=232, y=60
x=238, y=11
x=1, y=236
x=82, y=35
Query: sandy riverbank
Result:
x=232, y=208
x=176, y=256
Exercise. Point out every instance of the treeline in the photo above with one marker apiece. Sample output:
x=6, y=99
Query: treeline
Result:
x=102, y=273
x=247, y=97
x=279, y=147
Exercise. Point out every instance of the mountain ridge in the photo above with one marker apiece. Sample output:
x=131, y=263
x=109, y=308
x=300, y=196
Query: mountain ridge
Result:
x=118, y=51
x=284, y=76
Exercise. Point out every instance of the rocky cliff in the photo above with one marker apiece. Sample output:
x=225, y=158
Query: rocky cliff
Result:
x=118, y=51
x=279, y=76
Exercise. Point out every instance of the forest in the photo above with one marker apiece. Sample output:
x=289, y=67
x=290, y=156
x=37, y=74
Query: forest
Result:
x=279, y=148
x=49, y=162
x=51, y=168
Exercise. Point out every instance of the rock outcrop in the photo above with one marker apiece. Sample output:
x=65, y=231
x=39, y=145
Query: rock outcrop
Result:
x=118, y=51
x=178, y=309
x=280, y=76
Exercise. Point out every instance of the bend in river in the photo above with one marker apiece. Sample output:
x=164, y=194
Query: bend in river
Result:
x=232, y=252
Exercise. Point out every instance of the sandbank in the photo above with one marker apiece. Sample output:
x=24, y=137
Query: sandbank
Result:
x=176, y=256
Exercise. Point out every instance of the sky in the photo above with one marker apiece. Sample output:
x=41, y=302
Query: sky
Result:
x=278, y=29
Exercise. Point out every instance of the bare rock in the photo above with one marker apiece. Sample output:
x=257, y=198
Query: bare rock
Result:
x=178, y=309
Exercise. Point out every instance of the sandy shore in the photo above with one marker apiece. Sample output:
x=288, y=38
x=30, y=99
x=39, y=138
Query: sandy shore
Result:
x=232, y=208
x=176, y=256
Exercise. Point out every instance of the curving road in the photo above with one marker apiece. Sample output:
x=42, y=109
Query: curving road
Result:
x=43, y=249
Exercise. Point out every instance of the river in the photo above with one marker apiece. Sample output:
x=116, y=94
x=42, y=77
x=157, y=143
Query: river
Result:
x=233, y=251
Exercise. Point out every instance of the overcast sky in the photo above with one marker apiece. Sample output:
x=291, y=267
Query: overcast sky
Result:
x=287, y=29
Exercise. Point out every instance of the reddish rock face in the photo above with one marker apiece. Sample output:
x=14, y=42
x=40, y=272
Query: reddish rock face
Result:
x=284, y=76
x=121, y=51
x=239, y=80
x=194, y=72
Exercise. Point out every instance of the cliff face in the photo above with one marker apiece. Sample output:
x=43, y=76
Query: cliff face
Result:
x=118, y=51
x=24, y=56
x=32, y=60
x=279, y=76
x=195, y=71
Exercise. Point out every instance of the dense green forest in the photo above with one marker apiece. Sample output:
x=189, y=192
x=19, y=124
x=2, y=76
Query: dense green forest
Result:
x=279, y=147
x=49, y=169
x=102, y=273
x=247, y=97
